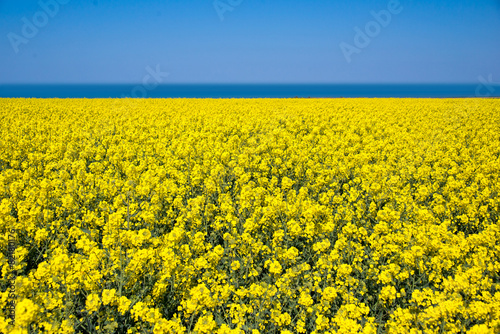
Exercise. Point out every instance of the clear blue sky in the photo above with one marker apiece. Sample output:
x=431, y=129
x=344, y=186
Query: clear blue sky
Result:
x=258, y=41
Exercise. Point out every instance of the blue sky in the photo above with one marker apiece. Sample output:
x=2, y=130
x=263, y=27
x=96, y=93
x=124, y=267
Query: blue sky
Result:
x=249, y=41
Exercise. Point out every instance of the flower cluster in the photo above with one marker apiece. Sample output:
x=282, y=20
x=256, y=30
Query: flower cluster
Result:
x=251, y=216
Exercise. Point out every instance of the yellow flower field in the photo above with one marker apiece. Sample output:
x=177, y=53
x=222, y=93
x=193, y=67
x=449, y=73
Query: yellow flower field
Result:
x=250, y=215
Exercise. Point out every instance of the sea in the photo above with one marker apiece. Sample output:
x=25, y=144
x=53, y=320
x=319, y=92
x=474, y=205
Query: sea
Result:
x=251, y=91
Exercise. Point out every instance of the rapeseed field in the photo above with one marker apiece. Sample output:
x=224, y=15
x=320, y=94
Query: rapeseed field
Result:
x=250, y=216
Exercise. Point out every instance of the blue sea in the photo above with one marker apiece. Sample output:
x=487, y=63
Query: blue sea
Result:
x=250, y=91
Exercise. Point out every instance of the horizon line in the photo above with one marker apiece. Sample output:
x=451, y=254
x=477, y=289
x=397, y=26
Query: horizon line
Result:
x=238, y=83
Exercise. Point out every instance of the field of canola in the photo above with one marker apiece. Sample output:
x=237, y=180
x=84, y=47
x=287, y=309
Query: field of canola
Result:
x=250, y=216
